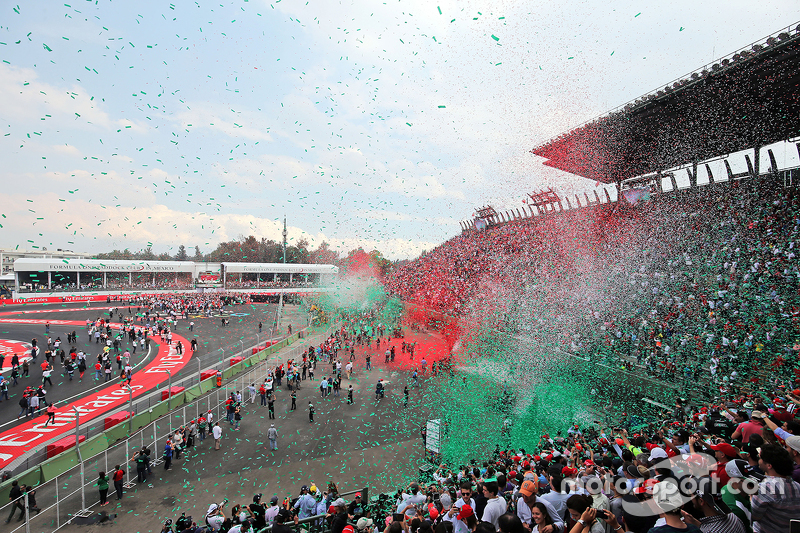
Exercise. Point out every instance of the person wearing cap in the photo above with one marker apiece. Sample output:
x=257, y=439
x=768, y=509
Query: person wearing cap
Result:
x=792, y=445
x=364, y=525
x=526, y=502
x=714, y=518
x=339, y=521
x=258, y=510
x=409, y=500
x=272, y=511
x=752, y=427
x=283, y=516
x=356, y=508
x=778, y=498
x=723, y=452
x=272, y=435
x=214, y=517
x=733, y=494
x=305, y=504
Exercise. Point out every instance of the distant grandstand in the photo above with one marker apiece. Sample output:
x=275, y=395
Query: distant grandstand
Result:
x=57, y=277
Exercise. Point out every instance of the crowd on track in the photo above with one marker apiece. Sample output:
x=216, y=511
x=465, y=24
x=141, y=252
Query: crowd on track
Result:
x=699, y=288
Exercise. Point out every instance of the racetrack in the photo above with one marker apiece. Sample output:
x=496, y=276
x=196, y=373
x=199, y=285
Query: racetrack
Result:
x=95, y=397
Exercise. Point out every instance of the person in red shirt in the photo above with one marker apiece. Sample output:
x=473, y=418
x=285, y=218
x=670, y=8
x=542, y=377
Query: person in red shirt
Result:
x=119, y=475
x=723, y=452
x=753, y=427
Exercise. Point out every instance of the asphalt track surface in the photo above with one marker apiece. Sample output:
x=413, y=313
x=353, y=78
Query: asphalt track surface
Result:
x=64, y=318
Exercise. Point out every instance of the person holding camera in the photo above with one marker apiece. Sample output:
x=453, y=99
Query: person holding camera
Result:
x=410, y=500
x=284, y=516
x=215, y=518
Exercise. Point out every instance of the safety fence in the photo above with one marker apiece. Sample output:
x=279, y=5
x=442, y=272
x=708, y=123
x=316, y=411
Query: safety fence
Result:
x=65, y=486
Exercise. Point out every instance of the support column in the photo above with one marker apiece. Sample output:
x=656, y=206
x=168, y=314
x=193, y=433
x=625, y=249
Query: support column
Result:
x=130, y=279
x=757, y=161
x=78, y=280
x=49, y=280
x=105, y=279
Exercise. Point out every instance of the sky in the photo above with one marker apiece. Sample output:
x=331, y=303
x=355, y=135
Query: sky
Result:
x=364, y=123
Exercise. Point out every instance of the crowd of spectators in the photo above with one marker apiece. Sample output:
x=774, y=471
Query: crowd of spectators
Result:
x=698, y=286
x=710, y=470
x=254, y=284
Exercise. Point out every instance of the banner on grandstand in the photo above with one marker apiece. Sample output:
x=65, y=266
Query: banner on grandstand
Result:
x=98, y=265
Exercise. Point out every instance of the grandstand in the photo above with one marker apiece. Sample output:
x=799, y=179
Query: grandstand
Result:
x=693, y=285
x=42, y=277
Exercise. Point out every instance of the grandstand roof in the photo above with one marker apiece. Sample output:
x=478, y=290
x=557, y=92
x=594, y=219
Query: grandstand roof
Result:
x=749, y=98
x=100, y=265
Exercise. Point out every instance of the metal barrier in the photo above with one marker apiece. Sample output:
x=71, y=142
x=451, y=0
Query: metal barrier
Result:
x=321, y=526
x=57, y=498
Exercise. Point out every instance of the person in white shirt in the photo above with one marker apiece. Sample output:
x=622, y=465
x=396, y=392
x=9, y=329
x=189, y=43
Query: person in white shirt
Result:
x=272, y=512
x=466, y=499
x=217, y=432
x=252, y=389
x=495, y=506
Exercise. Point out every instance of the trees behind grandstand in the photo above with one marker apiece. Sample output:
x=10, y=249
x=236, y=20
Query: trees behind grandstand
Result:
x=253, y=250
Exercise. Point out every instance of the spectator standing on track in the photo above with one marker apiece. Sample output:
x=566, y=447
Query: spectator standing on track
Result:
x=119, y=476
x=102, y=488
x=217, y=431
x=271, y=402
x=51, y=414
x=15, y=496
x=169, y=447
x=33, y=404
x=46, y=373
x=3, y=388
x=310, y=412
x=272, y=435
x=252, y=390
x=26, y=369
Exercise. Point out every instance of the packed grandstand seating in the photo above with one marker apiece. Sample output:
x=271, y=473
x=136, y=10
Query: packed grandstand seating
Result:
x=698, y=284
x=253, y=284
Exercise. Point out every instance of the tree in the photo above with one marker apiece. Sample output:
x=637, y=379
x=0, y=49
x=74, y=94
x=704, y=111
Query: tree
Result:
x=323, y=255
x=145, y=255
x=181, y=255
x=164, y=256
x=198, y=255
